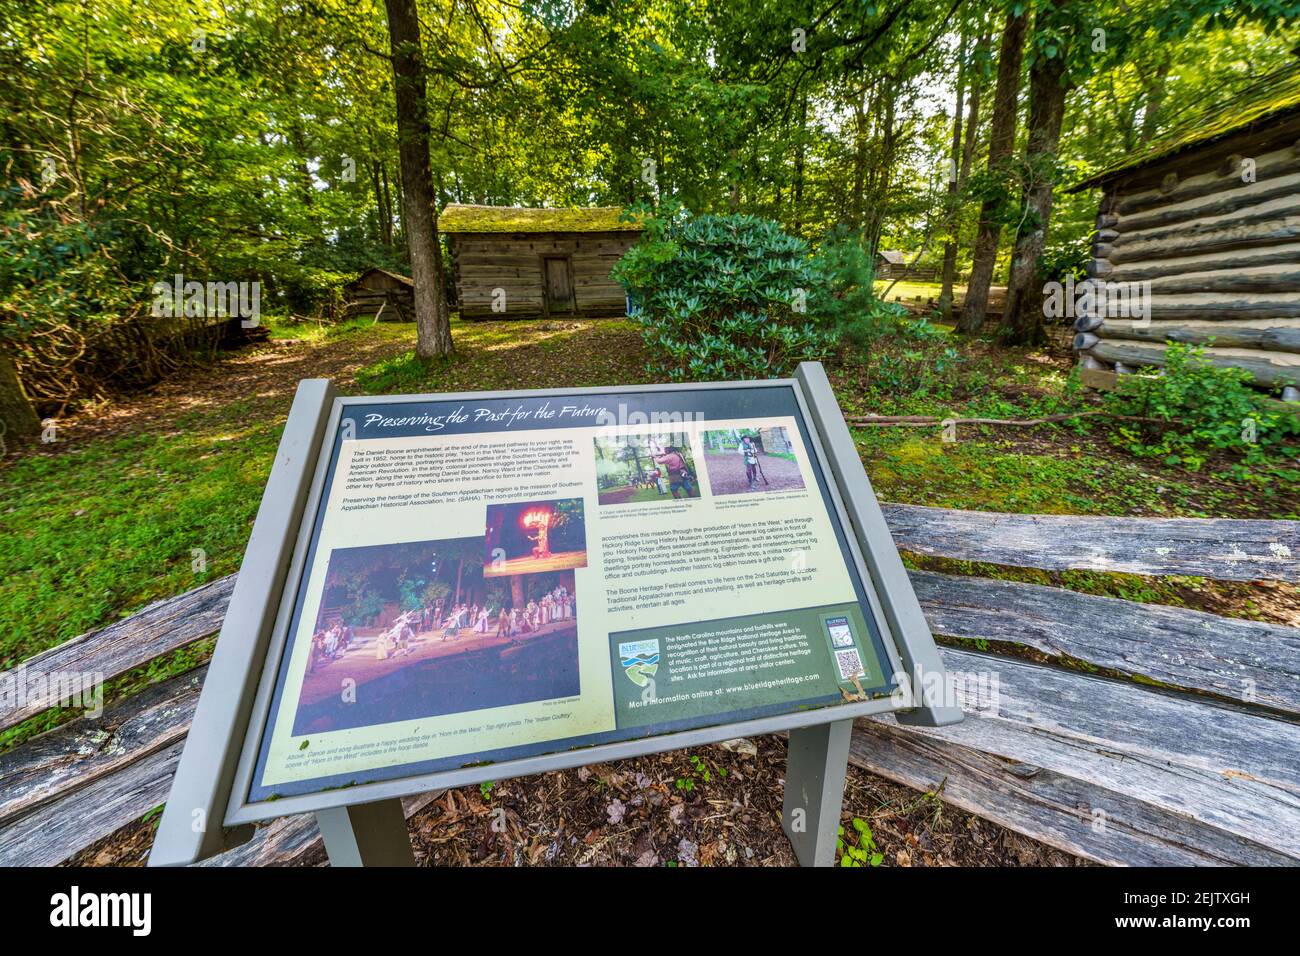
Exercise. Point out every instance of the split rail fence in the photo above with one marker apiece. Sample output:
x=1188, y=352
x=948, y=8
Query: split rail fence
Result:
x=1124, y=733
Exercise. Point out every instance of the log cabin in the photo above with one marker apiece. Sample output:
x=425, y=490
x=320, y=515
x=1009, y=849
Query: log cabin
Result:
x=893, y=265
x=382, y=294
x=513, y=262
x=1203, y=225
x=889, y=263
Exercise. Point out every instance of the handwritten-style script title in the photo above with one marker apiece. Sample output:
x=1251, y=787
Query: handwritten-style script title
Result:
x=506, y=417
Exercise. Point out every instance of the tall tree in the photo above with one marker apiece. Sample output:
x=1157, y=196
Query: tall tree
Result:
x=1022, y=319
x=1153, y=89
x=419, y=213
x=1002, y=138
x=977, y=80
x=954, y=178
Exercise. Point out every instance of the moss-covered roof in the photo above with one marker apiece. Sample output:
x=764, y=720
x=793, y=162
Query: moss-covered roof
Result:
x=1267, y=98
x=392, y=275
x=464, y=218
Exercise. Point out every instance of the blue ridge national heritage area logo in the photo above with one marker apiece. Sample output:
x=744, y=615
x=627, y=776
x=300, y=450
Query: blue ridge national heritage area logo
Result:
x=640, y=660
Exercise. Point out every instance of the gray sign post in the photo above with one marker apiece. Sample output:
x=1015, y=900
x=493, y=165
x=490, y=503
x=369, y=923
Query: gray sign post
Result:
x=211, y=807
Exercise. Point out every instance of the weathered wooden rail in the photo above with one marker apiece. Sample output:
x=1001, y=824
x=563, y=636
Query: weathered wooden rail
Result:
x=1184, y=753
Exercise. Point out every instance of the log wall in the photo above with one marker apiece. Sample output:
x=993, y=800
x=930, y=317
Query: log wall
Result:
x=484, y=262
x=1221, y=255
x=382, y=295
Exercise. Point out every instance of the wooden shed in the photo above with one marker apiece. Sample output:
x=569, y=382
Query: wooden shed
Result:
x=385, y=294
x=513, y=262
x=1202, y=231
x=890, y=263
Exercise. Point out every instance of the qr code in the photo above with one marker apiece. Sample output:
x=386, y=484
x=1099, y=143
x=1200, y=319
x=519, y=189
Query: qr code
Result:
x=849, y=663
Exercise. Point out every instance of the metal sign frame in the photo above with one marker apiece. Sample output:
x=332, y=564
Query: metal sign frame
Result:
x=208, y=811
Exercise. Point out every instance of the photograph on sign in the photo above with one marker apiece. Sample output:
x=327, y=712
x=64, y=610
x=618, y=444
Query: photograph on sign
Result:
x=746, y=460
x=526, y=537
x=445, y=651
x=636, y=468
x=498, y=578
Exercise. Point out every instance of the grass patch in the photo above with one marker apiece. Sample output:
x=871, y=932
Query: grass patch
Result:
x=96, y=532
x=314, y=333
x=907, y=290
x=517, y=355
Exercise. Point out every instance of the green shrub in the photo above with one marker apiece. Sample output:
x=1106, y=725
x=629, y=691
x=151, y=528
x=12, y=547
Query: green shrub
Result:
x=722, y=297
x=312, y=293
x=844, y=300
x=1197, y=408
x=1063, y=259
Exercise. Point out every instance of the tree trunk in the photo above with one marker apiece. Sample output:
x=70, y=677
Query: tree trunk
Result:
x=419, y=217
x=954, y=183
x=1002, y=137
x=17, y=417
x=1154, y=99
x=800, y=146
x=882, y=172
x=306, y=189
x=382, y=209
x=976, y=86
x=1022, y=319
x=859, y=160
x=973, y=114
x=388, y=200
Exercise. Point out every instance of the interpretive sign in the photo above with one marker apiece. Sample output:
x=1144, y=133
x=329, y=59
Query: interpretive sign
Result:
x=477, y=586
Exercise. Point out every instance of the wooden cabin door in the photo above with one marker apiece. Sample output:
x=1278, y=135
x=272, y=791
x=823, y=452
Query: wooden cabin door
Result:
x=557, y=278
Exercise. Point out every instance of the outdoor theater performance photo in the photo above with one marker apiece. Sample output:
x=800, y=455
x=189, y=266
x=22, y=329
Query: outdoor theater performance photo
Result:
x=421, y=632
x=527, y=537
x=744, y=460
x=641, y=468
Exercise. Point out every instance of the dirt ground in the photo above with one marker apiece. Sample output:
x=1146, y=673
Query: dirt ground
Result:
x=727, y=474
x=266, y=372
x=718, y=806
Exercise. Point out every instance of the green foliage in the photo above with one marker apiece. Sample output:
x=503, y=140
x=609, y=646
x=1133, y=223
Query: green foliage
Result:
x=844, y=301
x=363, y=606
x=418, y=591
x=1001, y=188
x=922, y=371
x=1063, y=258
x=702, y=770
x=722, y=297
x=312, y=293
x=859, y=848
x=268, y=151
x=64, y=301
x=143, y=141
x=1198, y=409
